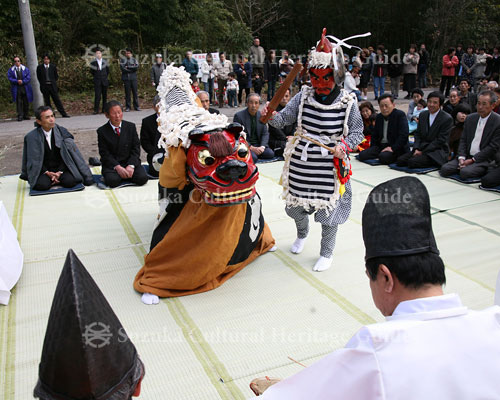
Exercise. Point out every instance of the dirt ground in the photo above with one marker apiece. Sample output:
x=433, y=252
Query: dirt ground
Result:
x=11, y=150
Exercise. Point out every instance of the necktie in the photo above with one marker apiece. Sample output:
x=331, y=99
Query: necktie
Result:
x=117, y=130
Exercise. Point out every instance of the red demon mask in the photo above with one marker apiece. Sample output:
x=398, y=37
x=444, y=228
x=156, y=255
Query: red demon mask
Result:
x=322, y=80
x=220, y=165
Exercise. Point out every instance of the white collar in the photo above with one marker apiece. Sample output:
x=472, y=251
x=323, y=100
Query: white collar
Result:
x=114, y=127
x=47, y=133
x=429, y=308
x=435, y=114
x=21, y=66
x=485, y=118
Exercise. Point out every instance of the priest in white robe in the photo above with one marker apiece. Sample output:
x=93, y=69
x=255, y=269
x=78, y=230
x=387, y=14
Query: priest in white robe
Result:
x=430, y=346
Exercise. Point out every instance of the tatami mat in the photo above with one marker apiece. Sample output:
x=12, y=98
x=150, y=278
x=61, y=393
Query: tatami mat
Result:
x=211, y=345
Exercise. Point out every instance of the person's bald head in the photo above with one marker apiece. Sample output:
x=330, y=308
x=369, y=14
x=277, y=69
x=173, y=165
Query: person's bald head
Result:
x=204, y=99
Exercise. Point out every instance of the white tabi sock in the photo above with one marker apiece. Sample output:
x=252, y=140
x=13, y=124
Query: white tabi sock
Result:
x=149, y=298
x=298, y=245
x=273, y=249
x=322, y=264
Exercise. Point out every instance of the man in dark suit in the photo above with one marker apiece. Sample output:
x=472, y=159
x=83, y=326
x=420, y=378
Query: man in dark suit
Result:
x=257, y=133
x=119, y=149
x=390, y=136
x=129, y=67
x=431, y=137
x=150, y=136
x=100, y=70
x=47, y=76
x=479, y=142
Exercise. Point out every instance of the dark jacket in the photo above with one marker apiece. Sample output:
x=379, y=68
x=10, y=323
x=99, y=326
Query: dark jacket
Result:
x=244, y=80
x=490, y=141
x=150, y=137
x=100, y=75
x=129, y=67
x=433, y=141
x=243, y=118
x=33, y=155
x=470, y=99
x=42, y=77
x=124, y=150
x=397, y=132
x=278, y=136
x=271, y=71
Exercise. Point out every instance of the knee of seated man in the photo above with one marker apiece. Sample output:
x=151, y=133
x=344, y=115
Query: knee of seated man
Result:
x=42, y=186
x=489, y=182
x=386, y=157
x=468, y=172
x=112, y=180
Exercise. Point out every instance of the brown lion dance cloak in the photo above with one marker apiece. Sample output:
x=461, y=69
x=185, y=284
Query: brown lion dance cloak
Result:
x=211, y=224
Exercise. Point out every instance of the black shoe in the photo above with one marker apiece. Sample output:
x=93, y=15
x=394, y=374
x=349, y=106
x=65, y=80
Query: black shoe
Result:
x=376, y=97
x=94, y=161
x=96, y=112
x=127, y=109
x=19, y=118
x=66, y=116
x=137, y=109
x=26, y=118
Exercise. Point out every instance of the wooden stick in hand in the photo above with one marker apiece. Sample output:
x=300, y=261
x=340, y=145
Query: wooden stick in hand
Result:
x=280, y=93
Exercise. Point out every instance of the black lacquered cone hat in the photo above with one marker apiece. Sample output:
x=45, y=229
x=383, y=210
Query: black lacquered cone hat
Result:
x=397, y=219
x=86, y=353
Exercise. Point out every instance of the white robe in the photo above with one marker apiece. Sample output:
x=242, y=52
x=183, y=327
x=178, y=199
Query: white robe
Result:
x=11, y=256
x=430, y=348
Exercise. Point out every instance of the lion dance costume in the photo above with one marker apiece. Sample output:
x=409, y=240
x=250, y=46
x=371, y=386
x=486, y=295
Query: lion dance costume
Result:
x=210, y=224
x=314, y=181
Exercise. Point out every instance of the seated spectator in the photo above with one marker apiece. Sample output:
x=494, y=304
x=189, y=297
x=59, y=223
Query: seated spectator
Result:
x=466, y=96
x=205, y=102
x=496, y=106
x=390, y=137
x=459, y=115
x=119, y=148
x=350, y=82
x=257, y=133
x=417, y=345
x=279, y=136
x=492, y=178
x=369, y=116
x=453, y=101
x=150, y=137
x=416, y=95
x=413, y=123
x=479, y=143
x=492, y=85
x=431, y=137
x=482, y=84
x=50, y=155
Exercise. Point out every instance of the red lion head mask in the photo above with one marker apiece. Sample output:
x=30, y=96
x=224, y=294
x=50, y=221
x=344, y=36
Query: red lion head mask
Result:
x=220, y=165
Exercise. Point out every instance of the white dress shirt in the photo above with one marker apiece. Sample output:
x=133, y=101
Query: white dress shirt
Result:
x=476, y=142
x=48, y=136
x=432, y=117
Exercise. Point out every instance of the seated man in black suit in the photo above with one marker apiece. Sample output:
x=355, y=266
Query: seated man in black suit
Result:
x=279, y=136
x=257, y=133
x=390, y=136
x=50, y=155
x=492, y=178
x=431, y=137
x=150, y=136
x=205, y=102
x=480, y=141
x=119, y=149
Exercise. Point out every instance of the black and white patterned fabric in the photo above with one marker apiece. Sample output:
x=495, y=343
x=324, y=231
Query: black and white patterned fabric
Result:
x=310, y=172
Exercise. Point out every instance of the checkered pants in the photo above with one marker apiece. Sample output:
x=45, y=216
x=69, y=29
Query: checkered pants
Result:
x=328, y=228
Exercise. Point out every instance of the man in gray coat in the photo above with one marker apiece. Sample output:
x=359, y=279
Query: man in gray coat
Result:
x=50, y=155
x=129, y=67
x=480, y=141
x=257, y=133
x=157, y=69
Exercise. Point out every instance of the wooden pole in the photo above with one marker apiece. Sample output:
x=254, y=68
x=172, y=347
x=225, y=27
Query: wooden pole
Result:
x=276, y=100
